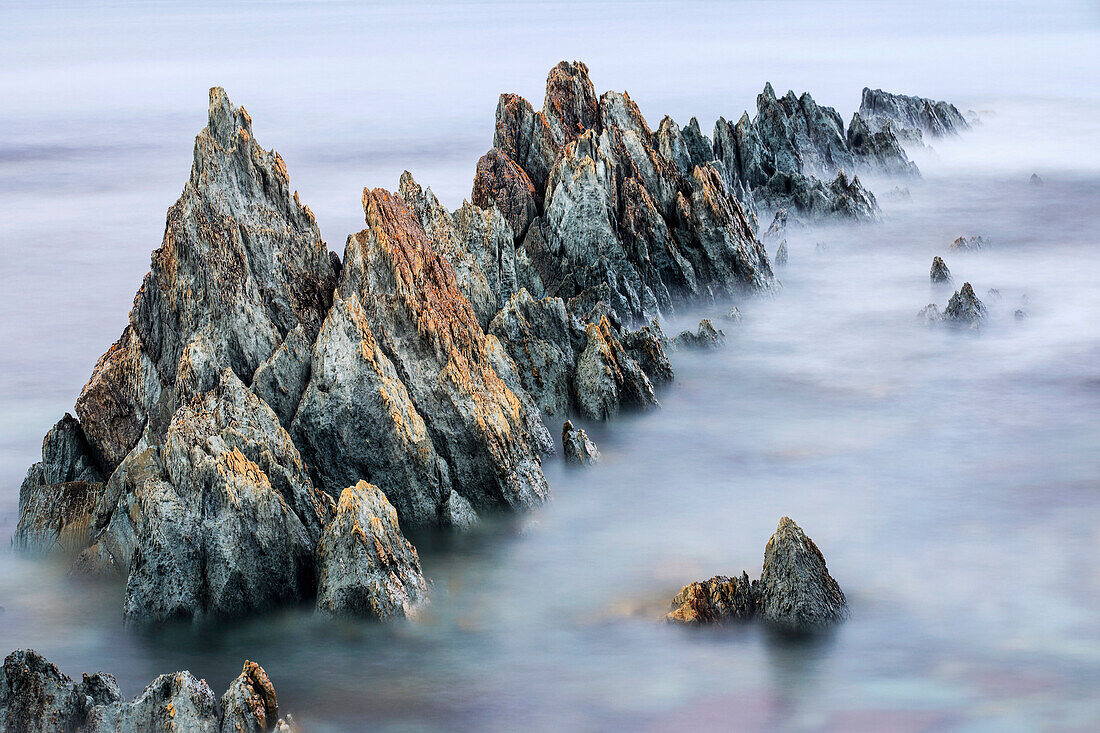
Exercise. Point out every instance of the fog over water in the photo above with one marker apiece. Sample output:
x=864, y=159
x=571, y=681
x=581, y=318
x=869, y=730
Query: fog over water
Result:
x=951, y=478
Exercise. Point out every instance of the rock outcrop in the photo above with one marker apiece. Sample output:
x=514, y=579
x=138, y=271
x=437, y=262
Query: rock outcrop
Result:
x=1035, y=180
x=795, y=593
x=878, y=152
x=706, y=337
x=910, y=118
x=365, y=566
x=939, y=272
x=964, y=307
x=35, y=697
x=717, y=601
x=576, y=445
x=972, y=243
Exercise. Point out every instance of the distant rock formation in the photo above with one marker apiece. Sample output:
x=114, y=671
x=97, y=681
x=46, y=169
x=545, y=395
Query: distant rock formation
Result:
x=910, y=118
x=964, y=307
x=968, y=244
x=706, y=337
x=939, y=272
x=795, y=593
x=578, y=449
x=1035, y=180
x=36, y=697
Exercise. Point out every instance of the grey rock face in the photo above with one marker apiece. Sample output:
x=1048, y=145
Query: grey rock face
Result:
x=930, y=314
x=939, y=272
x=972, y=243
x=964, y=307
x=781, y=255
x=228, y=524
x=365, y=566
x=716, y=601
x=171, y=702
x=400, y=319
x=35, y=697
x=502, y=183
x=734, y=315
x=797, y=594
x=607, y=378
x=706, y=337
x=578, y=448
x=910, y=117
x=238, y=236
x=878, y=152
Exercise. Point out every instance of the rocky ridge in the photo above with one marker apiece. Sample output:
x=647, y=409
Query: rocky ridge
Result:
x=36, y=697
x=910, y=118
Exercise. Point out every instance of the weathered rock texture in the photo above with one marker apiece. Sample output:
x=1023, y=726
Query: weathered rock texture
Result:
x=718, y=601
x=910, y=118
x=795, y=593
x=706, y=337
x=578, y=448
x=973, y=243
x=35, y=697
x=365, y=567
x=964, y=307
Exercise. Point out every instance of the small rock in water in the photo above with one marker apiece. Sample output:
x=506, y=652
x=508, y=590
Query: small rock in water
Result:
x=797, y=594
x=940, y=273
x=930, y=313
x=1021, y=315
x=365, y=566
x=968, y=244
x=964, y=307
x=993, y=294
x=1035, y=180
x=715, y=601
x=901, y=193
x=781, y=254
x=734, y=316
x=707, y=337
x=579, y=449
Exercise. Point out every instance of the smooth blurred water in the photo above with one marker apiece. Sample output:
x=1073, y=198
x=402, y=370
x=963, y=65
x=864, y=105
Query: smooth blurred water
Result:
x=952, y=479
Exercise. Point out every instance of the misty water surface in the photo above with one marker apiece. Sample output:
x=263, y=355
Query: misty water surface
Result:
x=952, y=479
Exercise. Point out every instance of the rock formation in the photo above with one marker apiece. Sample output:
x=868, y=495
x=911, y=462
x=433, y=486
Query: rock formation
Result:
x=706, y=337
x=577, y=447
x=964, y=307
x=968, y=244
x=35, y=697
x=878, y=152
x=717, y=601
x=1035, y=180
x=939, y=272
x=795, y=593
x=910, y=118
x=365, y=567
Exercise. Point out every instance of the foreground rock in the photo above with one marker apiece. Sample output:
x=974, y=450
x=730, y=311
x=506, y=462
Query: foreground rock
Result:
x=939, y=272
x=35, y=697
x=964, y=307
x=795, y=593
x=365, y=567
x=578, y=449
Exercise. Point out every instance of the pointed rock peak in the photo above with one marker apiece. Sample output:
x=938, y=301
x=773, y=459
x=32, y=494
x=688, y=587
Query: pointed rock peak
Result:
x=224, y=120
x=769, y=92
x=744, y=121
x=694, y=124
x=409, y=190
x=570, y=105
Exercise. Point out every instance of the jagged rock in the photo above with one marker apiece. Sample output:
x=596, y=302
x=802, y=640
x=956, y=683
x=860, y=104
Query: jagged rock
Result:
x=1035, y=180
x=405, y=391
x=607, y=378
x=878, y=152
x=539, y=335
x=457, y=513
x=577, y=447
x=718, y=601
x=685, y=147
x=570, y=106
x=35, y=697
x=964, y=307
x=993, y=294
x=930, y=314
x=734, y=315
x=901, y=193
x=281, y=380
x=1020, y=314
x=781, y=255
x=939, y=272
x=850, y=199
x=501, y=182
x=646, y=345
x=242, y=240
x=171, y=702
x=910, y=117
x=707, y=337
x=777, y=229
x=59, y=494
x=250, y=704
x=365, y=566
x=968, y=244
x=796, y=592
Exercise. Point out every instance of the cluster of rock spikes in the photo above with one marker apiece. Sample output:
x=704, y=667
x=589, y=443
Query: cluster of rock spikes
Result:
x=273, y=414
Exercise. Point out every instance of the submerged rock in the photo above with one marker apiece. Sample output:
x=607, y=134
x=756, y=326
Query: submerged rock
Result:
x=1020, y=314
x=365, y=566
x=968, y=244
x=796, y=592
x=939, y=272
x=577, y=447
x=734, y=315
x=964, y=307
x=1035, y=180
x=930, y=314
x=706, y=337
x=781, y=255
x=716, y=601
